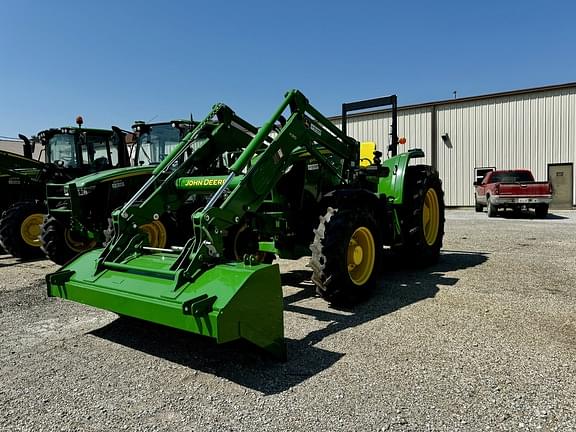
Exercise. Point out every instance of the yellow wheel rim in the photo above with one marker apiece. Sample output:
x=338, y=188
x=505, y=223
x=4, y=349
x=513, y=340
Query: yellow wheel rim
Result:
x=77, y=245
x=30, y=229
x=156, y=232
x=360, y=256
x=431, y=216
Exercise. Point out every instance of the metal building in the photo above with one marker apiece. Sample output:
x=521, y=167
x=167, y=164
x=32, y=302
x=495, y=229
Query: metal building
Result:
x=530, y=128
x=12, y=146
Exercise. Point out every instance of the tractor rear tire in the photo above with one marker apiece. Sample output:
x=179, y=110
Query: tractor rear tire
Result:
x=59, y=244
x=422, y=216
x=20, y=230
x=346, y=255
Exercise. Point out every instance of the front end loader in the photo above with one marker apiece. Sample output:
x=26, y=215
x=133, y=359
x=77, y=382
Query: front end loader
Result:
x=291, y=188
x=79, y=211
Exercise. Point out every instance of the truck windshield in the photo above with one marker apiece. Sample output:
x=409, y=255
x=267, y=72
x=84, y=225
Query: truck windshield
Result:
x=61, y=150
x=156, y=143
x=512, y=177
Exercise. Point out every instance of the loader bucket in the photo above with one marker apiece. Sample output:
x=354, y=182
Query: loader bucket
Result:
x=227, y=302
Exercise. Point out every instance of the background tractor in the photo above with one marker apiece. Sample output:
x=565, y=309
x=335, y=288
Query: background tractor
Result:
x=291, y=188
x=79, y=211
x=68, y=152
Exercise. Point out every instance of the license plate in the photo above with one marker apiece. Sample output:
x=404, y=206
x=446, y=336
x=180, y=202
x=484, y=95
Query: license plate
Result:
x=524, y=200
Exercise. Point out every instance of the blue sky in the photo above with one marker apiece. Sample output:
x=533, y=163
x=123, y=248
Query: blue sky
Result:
x=118, y=61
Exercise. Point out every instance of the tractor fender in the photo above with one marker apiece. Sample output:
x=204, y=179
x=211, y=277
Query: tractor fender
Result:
x=393, y=185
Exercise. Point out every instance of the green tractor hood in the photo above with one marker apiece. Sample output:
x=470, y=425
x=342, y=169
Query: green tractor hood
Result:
x=111, y=175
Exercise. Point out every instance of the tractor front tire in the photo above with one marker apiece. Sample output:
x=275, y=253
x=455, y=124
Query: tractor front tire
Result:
x=59, y=244
x=422, y=216
x=20, y=230
x=346, y=255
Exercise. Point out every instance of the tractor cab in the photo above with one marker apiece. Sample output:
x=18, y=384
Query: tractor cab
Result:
x=155, y=141
x=82, y=150
x=66, y=153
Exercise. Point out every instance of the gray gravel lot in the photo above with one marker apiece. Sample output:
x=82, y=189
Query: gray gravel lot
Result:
x=484, y=340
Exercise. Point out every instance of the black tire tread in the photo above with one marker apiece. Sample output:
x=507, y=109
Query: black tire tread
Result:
x=541, y=211
x=491, y=209
x=418, y=179
x=328, y=260
x=10, y=222
x=52, y=241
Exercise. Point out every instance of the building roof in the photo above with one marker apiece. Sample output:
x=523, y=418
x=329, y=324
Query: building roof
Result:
x=570, y=85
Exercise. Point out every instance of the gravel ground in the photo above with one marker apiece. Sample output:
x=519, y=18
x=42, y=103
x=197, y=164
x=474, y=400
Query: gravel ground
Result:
x=484, y=340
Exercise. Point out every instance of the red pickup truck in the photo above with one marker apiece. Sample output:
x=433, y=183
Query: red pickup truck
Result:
x=514, y=189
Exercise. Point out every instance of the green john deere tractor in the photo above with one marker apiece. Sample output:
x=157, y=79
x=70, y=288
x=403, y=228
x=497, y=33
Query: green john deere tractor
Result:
x=79, y=211
x=69, y=152
x=293, y=187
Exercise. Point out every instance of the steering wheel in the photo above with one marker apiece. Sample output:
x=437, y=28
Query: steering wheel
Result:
x=101, y=163
x=370, y=162
x=59, y=163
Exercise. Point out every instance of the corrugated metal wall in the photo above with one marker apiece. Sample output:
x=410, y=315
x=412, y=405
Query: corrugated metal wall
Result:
x=413, y=124
x=16, y=147
x=529, y=130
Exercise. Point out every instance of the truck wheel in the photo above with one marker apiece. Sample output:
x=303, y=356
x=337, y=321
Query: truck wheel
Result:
x=346, y=254
x=541, y=211
x=422, y=215
x=478, y=207
x=20, y=230
x=59, y=243
x=492, y=210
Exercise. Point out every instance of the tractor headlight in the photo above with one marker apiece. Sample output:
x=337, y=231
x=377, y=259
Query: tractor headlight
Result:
x=83, y=191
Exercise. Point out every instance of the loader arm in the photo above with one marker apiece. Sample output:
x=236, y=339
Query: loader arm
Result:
x=204, y=146
x=304, y=128
x=263, y=158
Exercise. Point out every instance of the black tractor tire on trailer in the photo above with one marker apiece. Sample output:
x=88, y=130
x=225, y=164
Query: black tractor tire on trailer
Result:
x=18, y=230
x=337, y=278
x=491, y=209
x=59, y=244
x=422, y=216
